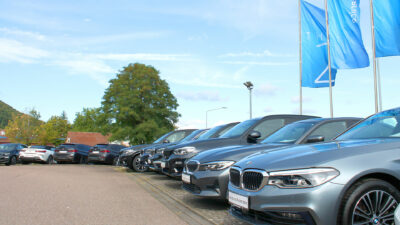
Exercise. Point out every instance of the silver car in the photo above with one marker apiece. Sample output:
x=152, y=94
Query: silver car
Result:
x=354, y=179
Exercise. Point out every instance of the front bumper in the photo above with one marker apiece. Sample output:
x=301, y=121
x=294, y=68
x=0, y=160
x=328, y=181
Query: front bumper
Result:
x=174, y=166
x=97, y=157
x=4, y=159
x=212, y=184
x=155, y=162
x=312, y=206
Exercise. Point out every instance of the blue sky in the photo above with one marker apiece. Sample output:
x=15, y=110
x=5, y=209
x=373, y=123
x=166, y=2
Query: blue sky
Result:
x=59, y=55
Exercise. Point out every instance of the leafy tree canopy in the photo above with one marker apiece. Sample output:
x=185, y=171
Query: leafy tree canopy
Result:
x=6, y=114
x=23, y=128
x=90, y=120
x=139, y=105
x=54, y=131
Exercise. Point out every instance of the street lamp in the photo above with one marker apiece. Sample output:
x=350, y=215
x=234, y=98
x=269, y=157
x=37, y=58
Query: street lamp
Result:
x=249, y=86
x=212, y=110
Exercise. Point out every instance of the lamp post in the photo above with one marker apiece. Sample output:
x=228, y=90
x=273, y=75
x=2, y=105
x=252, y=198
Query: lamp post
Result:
x=212, y=110
x=249, y=86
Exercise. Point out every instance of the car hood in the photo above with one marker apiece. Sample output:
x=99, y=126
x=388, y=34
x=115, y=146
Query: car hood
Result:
x=312, y=155
x=233, y=153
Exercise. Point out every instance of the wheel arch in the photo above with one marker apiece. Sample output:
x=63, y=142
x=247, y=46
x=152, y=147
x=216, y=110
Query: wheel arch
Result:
x=385, y=175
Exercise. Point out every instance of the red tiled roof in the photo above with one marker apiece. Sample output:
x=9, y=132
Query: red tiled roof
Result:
x=3, y=138
x=87, y=138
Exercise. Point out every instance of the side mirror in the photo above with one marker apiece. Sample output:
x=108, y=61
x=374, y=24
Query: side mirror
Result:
x=315, y=138
x=253, y=136
x=166, y=141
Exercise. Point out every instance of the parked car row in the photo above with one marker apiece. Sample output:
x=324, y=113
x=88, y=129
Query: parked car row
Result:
x=278, y=169
x=291, y=169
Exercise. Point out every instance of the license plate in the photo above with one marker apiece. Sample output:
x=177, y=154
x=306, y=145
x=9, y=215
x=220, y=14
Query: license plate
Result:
x=178, y=163
x=162, y=164
x=186, y=178
x=95, y=152
x=239, y=200
x=149, y=161
x=63, y=151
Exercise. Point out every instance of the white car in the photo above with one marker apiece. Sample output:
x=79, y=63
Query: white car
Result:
x=37, y=153
x=397, y=216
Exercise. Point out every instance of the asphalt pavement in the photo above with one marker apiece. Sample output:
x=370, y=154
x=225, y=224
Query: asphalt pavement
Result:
x=77, y=194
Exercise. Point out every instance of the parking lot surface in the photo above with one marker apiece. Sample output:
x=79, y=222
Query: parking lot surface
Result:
x=76, y=194
x=97, y=194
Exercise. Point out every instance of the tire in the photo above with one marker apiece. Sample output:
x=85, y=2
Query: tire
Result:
x=138, y=165
x=13, y=161
x=115, y=161
x=50, y=160
x=369, y=198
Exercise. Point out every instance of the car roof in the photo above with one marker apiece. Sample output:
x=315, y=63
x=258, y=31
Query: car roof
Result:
x=328, y=119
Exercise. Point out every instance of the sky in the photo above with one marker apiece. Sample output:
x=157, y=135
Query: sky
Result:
x=59, y=56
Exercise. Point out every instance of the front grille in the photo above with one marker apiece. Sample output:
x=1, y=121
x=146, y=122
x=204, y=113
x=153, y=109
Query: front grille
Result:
x=234, y=177
x=191, y=188
x=192, y=166
x=252, y=180
x=278, y=218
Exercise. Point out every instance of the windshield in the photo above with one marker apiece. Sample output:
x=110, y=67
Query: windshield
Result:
x=38, y=146
x=7, y=147
x=159, y=140
x=240, y=128
x=383, y=125
x=210, y=133
x=289, y=134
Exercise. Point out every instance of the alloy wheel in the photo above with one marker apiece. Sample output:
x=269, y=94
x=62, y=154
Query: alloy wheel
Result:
x=139, y=165
x=373, y=208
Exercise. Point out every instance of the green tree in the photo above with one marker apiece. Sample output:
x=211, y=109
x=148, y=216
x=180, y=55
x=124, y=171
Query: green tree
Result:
x=90, y=120
x=139, y=105
x=23, y=128
x=54, y=131
x=6, y=114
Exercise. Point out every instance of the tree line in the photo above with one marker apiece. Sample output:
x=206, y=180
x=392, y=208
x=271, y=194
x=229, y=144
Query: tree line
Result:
x=137, y=106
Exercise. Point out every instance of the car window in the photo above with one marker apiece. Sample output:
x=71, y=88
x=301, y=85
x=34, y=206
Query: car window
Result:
x=268, y=127
x=160, y=139
x=290, y=133
x=226, y=129
x=330, y=130
x=177, y=136
x=240, y=128
x=7, y=147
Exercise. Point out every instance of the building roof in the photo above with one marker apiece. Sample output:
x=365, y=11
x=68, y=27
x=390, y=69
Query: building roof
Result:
x=3, y=138
x=87, y=138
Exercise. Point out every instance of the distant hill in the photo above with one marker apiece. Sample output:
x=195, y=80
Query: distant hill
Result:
x=6, y=113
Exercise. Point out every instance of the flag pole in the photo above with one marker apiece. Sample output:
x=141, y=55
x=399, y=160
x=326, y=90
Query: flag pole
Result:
x=329, y=58
x=300, y=63
x=374, y=55
x=379, y=84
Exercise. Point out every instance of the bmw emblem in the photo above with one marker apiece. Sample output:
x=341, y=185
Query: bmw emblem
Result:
x=376, y=221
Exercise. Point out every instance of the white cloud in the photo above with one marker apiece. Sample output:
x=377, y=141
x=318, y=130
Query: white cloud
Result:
x=265, y=53
x=211, y=96
x=265, y=90
x=259, y=63
x=21, y=33
x=191, y=124
x=142, y=56
x=297, y=99
x=15, y=51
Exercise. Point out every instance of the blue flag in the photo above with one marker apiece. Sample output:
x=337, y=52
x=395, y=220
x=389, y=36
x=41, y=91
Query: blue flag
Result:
x=314, y=47
x=347, y=47
x=387, y=27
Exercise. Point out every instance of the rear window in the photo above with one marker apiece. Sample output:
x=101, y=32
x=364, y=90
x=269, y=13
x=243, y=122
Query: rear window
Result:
x=101, y=146
x=41, y=147
x=67, y=146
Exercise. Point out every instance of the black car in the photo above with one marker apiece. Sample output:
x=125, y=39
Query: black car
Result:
x=215, y=132
x=9, y=153
x=74, y=153
x=207, y=174
x=104, y=153
x=144, y=161
x=245, y=133
x=133, y=154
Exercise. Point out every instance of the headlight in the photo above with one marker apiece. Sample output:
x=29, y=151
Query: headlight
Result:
x=160, y=151
x=6, y=154
x=303, y=178
x=219, y=165
x=184, y=150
